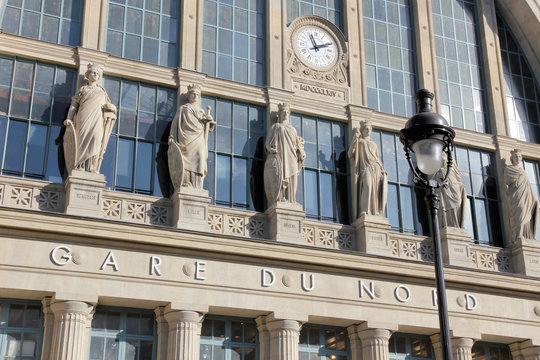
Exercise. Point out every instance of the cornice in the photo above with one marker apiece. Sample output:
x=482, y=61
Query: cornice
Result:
x=37, y=50
x=233, y=90
x=140, y=71
x=62, y=228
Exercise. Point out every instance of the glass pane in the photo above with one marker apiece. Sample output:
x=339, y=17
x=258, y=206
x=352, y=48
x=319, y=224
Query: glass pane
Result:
x=15, y=146
x=223, y=186
x=37, y=140
x=124, y=168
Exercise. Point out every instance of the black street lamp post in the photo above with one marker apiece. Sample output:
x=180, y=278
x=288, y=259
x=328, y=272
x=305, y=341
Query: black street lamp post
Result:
x=428, y=134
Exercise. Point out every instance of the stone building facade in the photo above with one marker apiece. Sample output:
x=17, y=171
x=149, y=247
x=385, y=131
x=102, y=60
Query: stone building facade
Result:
x=116, y=266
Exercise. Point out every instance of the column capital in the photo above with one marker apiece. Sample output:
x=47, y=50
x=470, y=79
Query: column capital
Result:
x=71, y=307
x=371, y=343
x=174, y=316
x=184, y=333
x=461, y=347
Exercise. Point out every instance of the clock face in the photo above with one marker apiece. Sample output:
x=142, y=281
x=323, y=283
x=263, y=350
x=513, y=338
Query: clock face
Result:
x=316, y=46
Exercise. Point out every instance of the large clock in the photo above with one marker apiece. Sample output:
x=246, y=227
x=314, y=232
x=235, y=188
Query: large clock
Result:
x=316, y=46
x=318, y=51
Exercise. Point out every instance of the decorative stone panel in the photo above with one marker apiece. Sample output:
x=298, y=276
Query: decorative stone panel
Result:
x=237, y=222
x=328, y=235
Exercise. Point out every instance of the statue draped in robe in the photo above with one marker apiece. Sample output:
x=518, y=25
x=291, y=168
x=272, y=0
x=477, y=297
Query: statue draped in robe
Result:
x=523, y=205
x=285, y=158
x=371, y=179
x=453, y=197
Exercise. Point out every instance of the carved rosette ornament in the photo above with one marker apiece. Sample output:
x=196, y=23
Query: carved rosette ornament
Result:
x=317, y=51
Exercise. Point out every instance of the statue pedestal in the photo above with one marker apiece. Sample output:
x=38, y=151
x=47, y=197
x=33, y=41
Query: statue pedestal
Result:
x=455, y=247
x=285, y=221
x=372, y=234
x=526, y=255
x=84, y=193
x=190, y=208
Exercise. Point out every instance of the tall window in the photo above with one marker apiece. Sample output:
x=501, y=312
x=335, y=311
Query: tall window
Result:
x=236, y=151
x=389, y=49
x=533, y=172
x=488, y=351
x=406, y=208
x=119, y=334
x=54, y=21
x=324, y=343
x=234, y=40
x=478, y=171
x=331, y=10
x=145, y=30
x=21, y=330
x=226, y=338
x=410, y=347
x=34, y=99
x=459, y=65
x=522, y=90
x=135, y=156
x=323, y=186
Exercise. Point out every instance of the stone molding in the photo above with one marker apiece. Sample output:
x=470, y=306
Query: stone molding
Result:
x=526, y=350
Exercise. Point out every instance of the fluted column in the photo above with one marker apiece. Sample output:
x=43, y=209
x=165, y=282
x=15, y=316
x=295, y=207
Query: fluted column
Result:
x=69, y=334
x=264, y=338
x=374, y=343
x=184, y=334
x=461, y=347
x=284, y=336
x=162, y=333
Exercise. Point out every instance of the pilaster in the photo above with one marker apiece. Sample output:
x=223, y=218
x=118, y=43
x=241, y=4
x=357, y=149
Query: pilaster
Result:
x=493, y=68
x=184, y=334
x=284, y=337
x=276, y=30
x=425, y=48
x=461, y=347
x=69, y=335
x=355, y=36
x=264, y=338
x=93, y=25
x=369, y=343
x=162, y=333
x=190, y=35
x=48, y=328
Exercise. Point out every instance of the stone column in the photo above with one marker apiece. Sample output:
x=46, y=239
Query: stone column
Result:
x=93, y=25
x=526, y=350
x=190, y=35
x=352, y=10
x=70, y=330
x=374, y=343
x=461, y=347
x=184, y=334
x=284, y=337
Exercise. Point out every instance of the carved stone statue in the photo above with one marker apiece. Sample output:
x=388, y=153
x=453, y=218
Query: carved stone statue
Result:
x=453, y=197
x=370, y=180
x=285, y=158
x=188, y=142
x=522, y=203
x=89, y=123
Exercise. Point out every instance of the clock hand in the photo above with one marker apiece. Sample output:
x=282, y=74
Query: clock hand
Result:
x=324, y=45
x=315, y=47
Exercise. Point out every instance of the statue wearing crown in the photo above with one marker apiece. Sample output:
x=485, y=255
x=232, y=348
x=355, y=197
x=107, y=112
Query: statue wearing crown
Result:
x=188, y=142
x=89, y=124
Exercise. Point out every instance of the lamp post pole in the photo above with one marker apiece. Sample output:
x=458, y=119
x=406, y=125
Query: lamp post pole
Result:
x=432, y=199
x=428, y=135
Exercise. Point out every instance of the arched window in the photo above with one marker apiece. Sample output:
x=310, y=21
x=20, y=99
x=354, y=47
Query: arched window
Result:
x=522, y=90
